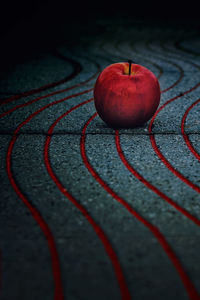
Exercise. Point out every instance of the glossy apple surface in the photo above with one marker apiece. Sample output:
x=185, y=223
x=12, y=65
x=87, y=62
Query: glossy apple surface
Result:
x=123, y=100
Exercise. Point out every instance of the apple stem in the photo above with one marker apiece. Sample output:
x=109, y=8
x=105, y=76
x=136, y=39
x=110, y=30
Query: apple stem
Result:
x=130, y=62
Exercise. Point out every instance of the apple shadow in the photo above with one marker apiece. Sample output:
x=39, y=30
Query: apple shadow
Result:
x=100, y=125
x=143, y=126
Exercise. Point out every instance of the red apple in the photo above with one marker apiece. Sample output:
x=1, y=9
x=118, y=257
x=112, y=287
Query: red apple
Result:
x=126, y=95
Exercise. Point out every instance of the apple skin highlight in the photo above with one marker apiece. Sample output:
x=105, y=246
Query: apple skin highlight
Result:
x=123, y=100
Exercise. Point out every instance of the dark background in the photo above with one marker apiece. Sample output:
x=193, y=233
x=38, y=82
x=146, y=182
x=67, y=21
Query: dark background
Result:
x=26, y=26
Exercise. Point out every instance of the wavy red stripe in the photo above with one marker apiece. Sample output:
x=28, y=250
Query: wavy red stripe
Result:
x=58, y=294
x=159, y=153
x=108, y=247
x=185, y=136
x=46, y=96
x=151, y=186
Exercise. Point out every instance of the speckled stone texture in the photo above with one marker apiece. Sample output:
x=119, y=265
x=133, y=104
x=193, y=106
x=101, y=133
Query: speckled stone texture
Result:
x=86, y=269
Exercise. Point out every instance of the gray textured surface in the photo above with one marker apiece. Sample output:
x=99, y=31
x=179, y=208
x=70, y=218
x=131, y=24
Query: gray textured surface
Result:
x=87, y=272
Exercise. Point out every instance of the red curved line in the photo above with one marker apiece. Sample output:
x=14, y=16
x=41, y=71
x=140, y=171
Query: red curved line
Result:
x=46, y=96
x=58, y=293
x=47, y=106
x=77, y=69
x=159, y=153
x=108, y=247
x=149, y=185
x=191, y=290
x=185, y=136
